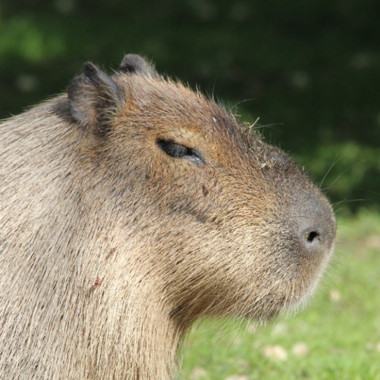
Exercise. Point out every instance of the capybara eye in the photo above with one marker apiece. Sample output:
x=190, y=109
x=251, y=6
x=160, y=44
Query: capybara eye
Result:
x=176, y=150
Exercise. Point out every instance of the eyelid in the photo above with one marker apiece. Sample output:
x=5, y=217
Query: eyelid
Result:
x=176, y=150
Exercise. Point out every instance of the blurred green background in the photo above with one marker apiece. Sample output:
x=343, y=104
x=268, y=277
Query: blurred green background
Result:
x=309, y=69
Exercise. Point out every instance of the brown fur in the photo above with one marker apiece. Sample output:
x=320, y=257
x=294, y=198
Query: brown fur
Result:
x=110, y=248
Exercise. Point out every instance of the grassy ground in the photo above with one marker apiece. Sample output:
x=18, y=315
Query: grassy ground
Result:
x=337, y=337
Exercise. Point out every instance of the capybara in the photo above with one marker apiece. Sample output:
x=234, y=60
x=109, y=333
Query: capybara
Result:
x=132, y=205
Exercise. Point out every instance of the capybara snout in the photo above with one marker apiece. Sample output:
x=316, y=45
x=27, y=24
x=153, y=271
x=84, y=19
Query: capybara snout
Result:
x=316, y=226
x=131, y=206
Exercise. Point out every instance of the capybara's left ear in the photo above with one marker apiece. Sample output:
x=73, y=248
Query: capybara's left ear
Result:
x=93, y=96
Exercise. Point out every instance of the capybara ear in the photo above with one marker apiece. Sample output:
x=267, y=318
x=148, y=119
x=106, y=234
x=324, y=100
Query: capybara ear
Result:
x=134, y=64
x=93, y=96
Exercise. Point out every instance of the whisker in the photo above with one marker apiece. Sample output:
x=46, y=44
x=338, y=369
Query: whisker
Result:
x=348, y=201
x=327, y=172
x=333, y=182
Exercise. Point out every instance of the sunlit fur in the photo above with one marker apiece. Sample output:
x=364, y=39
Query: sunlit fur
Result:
x=110, y=249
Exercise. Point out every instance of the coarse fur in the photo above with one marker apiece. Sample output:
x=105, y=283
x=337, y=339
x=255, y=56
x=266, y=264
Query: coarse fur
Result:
x=111, y=247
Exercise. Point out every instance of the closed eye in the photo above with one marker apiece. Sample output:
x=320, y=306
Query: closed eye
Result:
x=175, y=150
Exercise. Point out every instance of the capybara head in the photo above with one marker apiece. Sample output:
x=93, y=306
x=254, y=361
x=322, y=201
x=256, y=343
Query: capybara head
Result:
x=231, y=225
x=130, y=207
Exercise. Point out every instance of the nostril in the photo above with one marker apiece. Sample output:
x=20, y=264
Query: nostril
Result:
x=311, y=236
x=312, y=239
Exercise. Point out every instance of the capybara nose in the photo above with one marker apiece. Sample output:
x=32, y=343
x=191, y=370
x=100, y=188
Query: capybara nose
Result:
x=316, y=232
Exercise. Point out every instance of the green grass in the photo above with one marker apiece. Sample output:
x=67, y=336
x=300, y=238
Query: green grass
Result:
x=339, y=332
